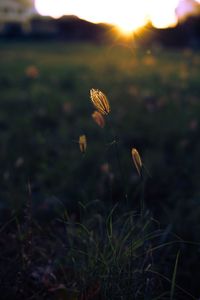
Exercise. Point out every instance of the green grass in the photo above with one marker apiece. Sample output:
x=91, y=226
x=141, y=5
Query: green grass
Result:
x=154, y=98
x=154, y=102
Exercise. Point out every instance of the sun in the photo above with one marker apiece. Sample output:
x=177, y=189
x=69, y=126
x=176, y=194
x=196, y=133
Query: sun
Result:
x=132, y=15
x=127, y=27
x=126, y=15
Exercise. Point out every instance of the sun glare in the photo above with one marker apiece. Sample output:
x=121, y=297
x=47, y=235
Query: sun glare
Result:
x=55, y=9
x=126, y=15
x=127, y=27
x=131, y=16
x=163, y=13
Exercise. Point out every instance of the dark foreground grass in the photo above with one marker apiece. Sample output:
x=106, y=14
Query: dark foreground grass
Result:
x=106, y=256
x=70, y=248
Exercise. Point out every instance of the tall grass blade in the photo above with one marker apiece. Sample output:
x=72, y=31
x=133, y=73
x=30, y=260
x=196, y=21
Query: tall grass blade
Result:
x=174, y=277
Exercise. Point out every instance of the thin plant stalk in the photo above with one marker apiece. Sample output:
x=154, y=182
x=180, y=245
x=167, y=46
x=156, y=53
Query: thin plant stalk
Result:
x=119, y=163
x=174, y=277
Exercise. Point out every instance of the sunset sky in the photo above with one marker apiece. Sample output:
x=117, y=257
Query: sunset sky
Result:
x=128, y=15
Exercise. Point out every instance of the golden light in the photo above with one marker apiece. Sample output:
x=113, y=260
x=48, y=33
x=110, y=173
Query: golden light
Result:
x=131, y=16
x=126, y=15
x=127, y=28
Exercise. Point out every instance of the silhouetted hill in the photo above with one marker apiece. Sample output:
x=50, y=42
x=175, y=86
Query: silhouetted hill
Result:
x=71, y=28
x=186, y=33
x=74, y=28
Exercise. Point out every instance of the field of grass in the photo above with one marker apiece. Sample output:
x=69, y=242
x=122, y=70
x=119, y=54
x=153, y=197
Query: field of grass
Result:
x=77, y=233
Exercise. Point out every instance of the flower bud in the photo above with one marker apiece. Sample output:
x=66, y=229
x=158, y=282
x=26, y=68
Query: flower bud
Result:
x=137, y=160
x=82, y=143
x=98, y=118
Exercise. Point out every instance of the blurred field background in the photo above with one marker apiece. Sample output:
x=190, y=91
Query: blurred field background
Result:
x=154, y=107
x=154, y=98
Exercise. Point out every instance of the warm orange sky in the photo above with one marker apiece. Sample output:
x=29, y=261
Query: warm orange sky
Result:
x=128, y=15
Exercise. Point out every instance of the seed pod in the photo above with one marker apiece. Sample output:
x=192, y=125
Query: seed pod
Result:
x=137, y=160
x=82, y=143
x=100, y=101
x=98, y=118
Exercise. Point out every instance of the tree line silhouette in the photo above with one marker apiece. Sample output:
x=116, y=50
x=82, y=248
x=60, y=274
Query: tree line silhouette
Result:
x=71, y=28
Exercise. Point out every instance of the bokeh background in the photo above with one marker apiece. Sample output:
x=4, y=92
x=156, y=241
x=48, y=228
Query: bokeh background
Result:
x=145, y=56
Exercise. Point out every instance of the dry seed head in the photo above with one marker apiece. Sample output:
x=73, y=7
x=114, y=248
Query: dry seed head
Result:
x=100, y=101
x=82, y=143
x=98, y=118
x=137, y=160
